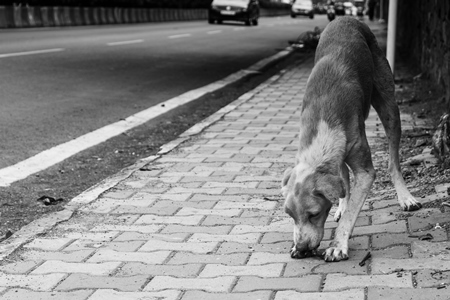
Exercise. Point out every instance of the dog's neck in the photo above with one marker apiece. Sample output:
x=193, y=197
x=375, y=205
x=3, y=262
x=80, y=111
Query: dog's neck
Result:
x=322, y=147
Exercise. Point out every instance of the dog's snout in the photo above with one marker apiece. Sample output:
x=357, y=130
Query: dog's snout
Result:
x=301, y=254
x=306, y=240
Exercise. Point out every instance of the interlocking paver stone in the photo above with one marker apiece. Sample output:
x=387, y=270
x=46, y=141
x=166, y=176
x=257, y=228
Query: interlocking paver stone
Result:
x=181, y=270
x=424, y=249
x=138, y=228
x=71, y=256
x=224, y=229
x=217, y=284
x=20, y=267
x=388, y=265
x=356, y=294
x=183, y=220
x=397, y=226
x=115, y=295
x=199, y=295
x=45, y=282
x=86, y=281
x=50, y=266
x=127, y=246
x=138, y=236
x=247, y=238
x=376, y=293
x=268, y=270
x=181, y=258
x=155, y=257
x=189, y=247
x=335, y=282
x=219, y=220
x=427, y=278
x=307, y=283
x=22, y=294
x=48, y=244
x=189, y=211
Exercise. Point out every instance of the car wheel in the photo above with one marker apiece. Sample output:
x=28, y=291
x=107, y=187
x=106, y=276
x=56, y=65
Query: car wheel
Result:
x=311, y=16
x=255, y=22
x=210, y=21
x=248, y=23
x=293, y=16
x=219, y=21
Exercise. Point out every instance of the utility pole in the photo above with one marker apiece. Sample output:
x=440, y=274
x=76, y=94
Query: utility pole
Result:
x=391, y=35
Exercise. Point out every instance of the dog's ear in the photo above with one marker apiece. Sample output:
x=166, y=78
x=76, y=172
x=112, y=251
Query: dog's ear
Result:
x=330, y=186
x=286, y=176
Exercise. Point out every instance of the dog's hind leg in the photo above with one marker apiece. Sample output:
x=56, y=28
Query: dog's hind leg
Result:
x=343, y=201
x=383, y=100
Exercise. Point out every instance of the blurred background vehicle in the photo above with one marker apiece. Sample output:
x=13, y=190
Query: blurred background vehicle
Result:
x=302, y=8
x=339, y=8
x=350, y=9
x=246, y=11
x=320, y=9
x=360, y=7
x=331, y=13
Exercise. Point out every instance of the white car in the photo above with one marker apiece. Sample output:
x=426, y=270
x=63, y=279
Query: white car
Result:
x=350, y=9
x=302, y=8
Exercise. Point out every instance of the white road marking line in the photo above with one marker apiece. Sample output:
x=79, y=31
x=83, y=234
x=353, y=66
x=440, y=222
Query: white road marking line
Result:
x=177, y=36
x=214, y=32
x=57, y=154
x=31, y=52
x=124, y=42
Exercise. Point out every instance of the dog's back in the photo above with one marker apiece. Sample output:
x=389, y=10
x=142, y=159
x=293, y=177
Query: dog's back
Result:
x=339, y=88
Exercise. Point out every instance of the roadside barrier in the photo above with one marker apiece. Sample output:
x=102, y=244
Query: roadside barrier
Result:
x=41, y=16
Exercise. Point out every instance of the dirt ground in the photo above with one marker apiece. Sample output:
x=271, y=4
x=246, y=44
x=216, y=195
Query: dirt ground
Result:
x=420, y=97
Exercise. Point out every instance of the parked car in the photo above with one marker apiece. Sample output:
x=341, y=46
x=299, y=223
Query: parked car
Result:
x=360, y=7
x=350, y=9
x=320, y=9
x=339, y=8
x=246, y=11
x=302, y=8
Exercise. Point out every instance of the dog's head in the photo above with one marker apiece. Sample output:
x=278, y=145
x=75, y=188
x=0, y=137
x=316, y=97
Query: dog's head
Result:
x=309, y=194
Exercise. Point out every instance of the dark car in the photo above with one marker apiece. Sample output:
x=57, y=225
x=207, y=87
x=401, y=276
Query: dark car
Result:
x=360, y=7
x=339, y=8
x=246, y=11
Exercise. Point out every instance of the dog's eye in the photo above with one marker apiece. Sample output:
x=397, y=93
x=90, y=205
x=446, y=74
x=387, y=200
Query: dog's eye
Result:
x=318, y=194
x=313, y=215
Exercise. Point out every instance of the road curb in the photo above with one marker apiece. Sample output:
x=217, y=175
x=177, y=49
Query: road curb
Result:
x=44, y=224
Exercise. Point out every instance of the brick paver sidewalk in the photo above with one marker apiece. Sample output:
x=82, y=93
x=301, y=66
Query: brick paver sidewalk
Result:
x=205, y=221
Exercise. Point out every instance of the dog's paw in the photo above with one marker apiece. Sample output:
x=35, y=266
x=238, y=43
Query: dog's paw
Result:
x=302, y=254
x=335, y=254
x=338, y=214
x=413, y=207
x=411, y=204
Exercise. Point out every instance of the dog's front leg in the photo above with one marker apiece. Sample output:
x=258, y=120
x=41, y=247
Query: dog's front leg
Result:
x=343, y=201
x=338, y=249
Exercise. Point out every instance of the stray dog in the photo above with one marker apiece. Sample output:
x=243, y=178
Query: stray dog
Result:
x=350, y=74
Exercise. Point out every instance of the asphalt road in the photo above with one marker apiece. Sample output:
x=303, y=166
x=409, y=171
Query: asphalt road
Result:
x=57, y=84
